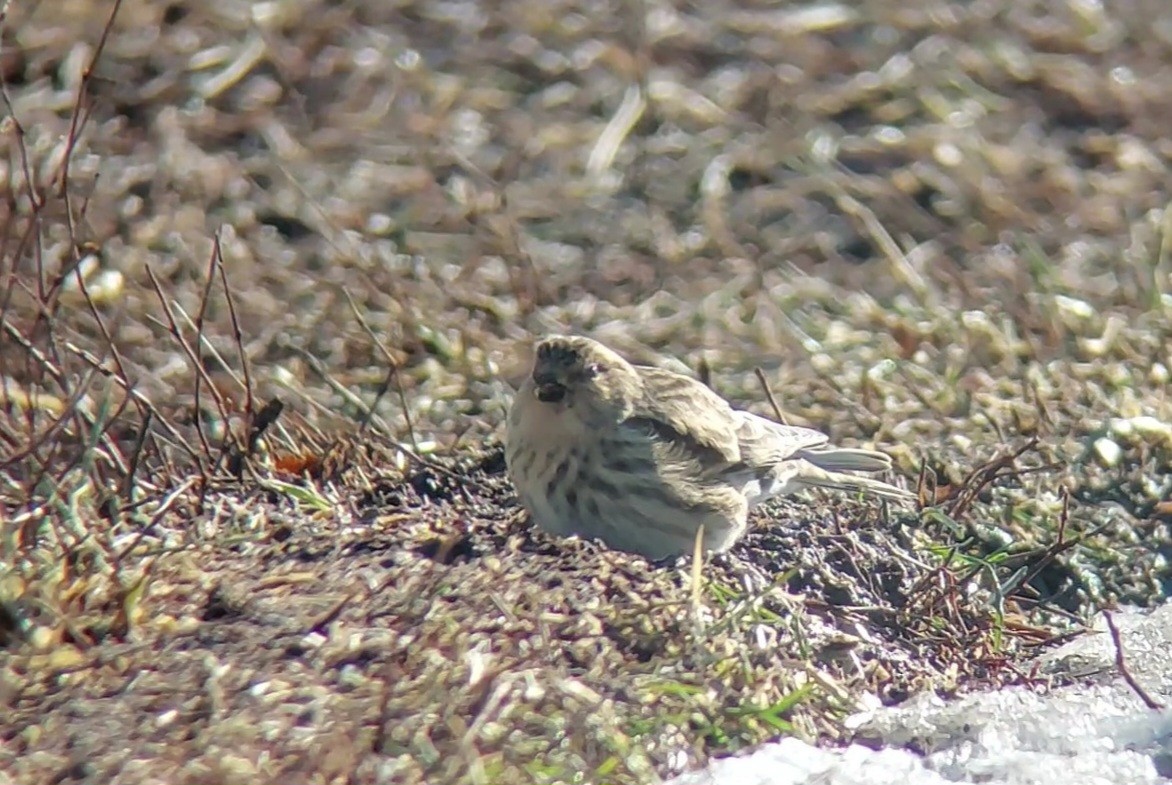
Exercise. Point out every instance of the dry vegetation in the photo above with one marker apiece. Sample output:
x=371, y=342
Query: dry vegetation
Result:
x=268, y=269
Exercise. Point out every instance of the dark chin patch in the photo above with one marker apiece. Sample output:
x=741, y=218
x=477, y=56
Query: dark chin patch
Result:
x=551, y=393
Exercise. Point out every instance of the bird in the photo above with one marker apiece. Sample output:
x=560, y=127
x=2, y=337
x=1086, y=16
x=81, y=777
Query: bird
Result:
x=641, y=457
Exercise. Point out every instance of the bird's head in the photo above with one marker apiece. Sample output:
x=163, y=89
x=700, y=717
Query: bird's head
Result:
x=580, y=375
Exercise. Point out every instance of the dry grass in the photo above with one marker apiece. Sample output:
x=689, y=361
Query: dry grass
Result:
x=270, y=268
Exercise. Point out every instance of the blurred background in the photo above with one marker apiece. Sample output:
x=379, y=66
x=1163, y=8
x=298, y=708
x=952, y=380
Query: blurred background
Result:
x=970, y=189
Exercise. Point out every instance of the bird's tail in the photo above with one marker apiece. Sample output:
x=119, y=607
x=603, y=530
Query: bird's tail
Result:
x=820, y=478
x=824, y=467
x=845, y=459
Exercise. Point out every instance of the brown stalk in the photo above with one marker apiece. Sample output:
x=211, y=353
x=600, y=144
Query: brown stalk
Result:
x=196, y=364
x=174, y=433
x=769, y=395
x=237, y=333
x=1121, y=665
x=76, y=122
x=136, y=456
x=981, y=477
x=36, y=441
x=157, y=516
x=320, y=369
x=198, y=360
x=392, y=375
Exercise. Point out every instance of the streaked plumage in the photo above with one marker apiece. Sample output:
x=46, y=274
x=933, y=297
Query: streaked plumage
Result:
x=640, y=457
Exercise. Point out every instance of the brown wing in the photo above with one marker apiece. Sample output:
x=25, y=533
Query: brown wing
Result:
x=681, y=410
x=765, y=443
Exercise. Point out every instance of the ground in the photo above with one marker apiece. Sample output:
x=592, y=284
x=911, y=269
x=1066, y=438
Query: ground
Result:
x=272, y=269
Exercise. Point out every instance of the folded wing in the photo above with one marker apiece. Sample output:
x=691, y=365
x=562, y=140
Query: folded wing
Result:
x=764, y=442
x=684, y=409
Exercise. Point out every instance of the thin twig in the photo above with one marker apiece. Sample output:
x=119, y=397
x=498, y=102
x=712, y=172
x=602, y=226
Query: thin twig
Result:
x=356, y=401
x=922, y=483
x=205, y=296
x=237, y=333
x=364, y=423
x=704, y=372
x=158, y=514
x=393, y=373
x=1053, y=552
x=197, y=367
x=94, y=362
x=981, y=477
x=769, y=394
x=323, y=620
x=68, y=412
x=135, y=456
x=75, y=122
x=111, y=347
x=1121, y=665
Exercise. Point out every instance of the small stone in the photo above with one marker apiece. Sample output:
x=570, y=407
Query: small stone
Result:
x=1108, y=451
x=106, y=287
x=962, y=442
x=42, y=638
x=1069, y=306
x=1146, y=425
x=66, y=658
x=1144, y=428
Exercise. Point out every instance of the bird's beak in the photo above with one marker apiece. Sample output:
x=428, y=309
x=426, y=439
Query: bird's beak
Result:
x=549, y=392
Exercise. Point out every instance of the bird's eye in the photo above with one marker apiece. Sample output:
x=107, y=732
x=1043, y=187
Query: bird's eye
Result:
x=594, y=369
